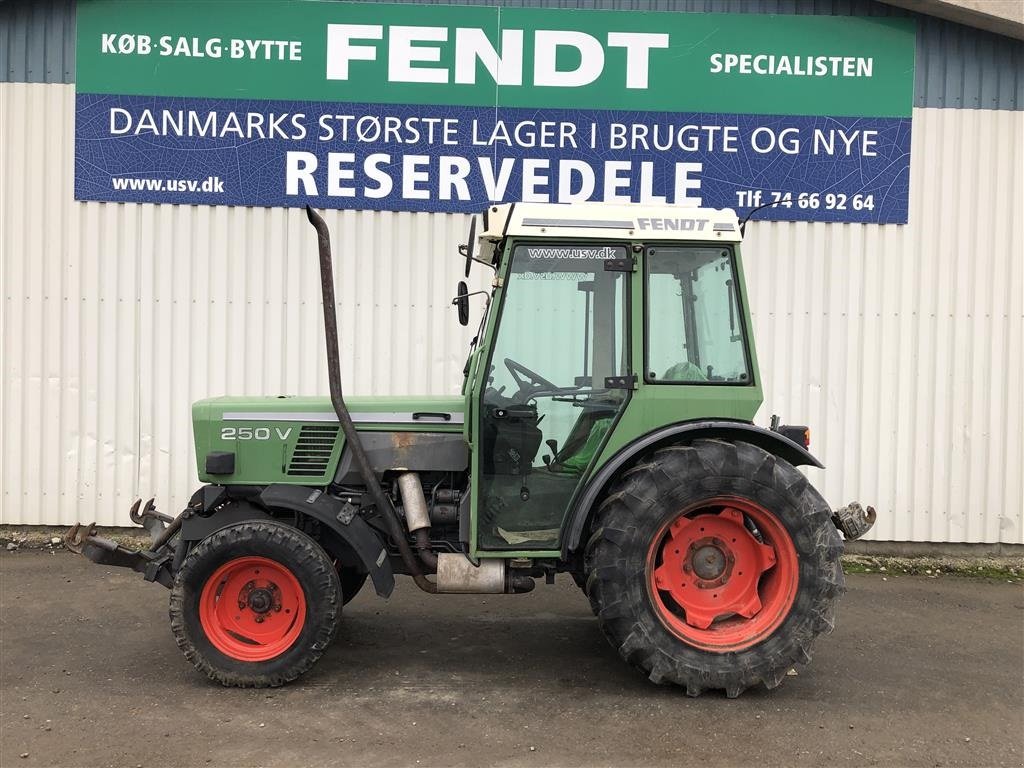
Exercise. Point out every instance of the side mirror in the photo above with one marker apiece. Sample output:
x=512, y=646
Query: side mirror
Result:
x=462, y=302
x=471, y=246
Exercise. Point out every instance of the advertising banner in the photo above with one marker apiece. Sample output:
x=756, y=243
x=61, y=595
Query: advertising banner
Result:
x=443, y=108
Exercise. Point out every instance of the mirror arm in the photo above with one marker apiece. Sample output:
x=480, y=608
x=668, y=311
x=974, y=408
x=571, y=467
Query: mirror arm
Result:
x=467, y=295
x=481, y=261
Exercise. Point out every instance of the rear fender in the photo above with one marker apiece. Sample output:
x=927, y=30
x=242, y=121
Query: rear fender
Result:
x=677, y=434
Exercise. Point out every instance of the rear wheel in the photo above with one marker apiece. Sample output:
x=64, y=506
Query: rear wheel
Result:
x=714, y=566
x=255, y=604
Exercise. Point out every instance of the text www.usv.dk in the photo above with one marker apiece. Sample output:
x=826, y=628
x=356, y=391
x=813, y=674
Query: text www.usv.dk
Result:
x=136, y=184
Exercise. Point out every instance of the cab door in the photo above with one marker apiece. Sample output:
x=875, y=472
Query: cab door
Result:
x=555, y=379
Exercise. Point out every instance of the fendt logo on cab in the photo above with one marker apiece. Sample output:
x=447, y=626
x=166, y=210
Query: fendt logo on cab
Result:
x=414, y=54
x=673, y=225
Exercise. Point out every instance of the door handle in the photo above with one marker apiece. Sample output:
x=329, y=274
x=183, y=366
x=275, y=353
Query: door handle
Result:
x=431, y=415
x=514, y=412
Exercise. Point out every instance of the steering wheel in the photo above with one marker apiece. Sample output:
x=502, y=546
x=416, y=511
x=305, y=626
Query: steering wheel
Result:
x=527, y=380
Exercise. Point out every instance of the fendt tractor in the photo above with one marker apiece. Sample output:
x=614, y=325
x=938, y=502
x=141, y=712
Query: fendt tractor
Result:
x=604, y=430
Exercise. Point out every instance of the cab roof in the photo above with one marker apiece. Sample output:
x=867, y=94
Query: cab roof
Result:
x=609, y=221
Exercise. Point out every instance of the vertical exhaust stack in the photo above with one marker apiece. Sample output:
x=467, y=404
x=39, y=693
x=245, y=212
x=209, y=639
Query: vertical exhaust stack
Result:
x=455, y=573
x=380, y=499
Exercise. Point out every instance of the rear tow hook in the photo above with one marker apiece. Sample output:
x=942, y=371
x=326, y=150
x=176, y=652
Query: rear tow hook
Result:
x=853, y=520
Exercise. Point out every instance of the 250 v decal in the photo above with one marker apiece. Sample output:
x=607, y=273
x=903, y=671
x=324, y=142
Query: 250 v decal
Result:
x=253, y=433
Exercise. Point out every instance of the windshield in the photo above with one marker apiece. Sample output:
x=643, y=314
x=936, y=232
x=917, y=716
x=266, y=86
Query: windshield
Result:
x=563, y=317
x=694, y=327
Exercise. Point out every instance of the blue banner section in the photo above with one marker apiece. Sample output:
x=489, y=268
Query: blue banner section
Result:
x=458, y=159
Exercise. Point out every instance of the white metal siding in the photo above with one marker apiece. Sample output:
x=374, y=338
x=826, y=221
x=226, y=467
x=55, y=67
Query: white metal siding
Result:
x=901, y=346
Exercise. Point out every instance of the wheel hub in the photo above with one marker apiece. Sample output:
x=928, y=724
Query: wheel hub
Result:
x=711, y=568
x=711, y=562
x=261, y=600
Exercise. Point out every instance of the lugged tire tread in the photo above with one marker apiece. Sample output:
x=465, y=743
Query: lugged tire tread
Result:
x=710, y=467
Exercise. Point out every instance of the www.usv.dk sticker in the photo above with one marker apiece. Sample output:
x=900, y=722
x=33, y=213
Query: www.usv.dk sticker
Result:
x=607, y=252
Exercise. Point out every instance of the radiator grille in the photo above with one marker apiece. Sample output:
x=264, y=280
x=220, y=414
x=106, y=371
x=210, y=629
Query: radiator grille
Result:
x=313, y=450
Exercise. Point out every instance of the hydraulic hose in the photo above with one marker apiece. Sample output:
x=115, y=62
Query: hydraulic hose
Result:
x=380, y=499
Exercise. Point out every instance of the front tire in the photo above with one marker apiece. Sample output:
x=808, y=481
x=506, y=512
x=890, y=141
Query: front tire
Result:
x=255, y=604
x=714, y=566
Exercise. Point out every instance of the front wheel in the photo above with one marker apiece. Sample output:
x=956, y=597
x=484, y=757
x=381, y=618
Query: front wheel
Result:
x=255, y=604
x=714, y=566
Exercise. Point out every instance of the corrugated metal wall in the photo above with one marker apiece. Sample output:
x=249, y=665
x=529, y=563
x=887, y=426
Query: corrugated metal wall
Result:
x=116, y=317
x=37, y=41
x=957, y=66
x=901, y=345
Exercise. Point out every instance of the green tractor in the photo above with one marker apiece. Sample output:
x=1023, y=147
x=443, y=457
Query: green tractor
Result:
x=604, y=430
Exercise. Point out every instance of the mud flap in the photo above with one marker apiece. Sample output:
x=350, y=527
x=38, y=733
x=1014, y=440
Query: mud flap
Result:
x=340, y=518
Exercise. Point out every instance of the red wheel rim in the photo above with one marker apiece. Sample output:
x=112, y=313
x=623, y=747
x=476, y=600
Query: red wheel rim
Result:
x=252, y=609
x=716, y=585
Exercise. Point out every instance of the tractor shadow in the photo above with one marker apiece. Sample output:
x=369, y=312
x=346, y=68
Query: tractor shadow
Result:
x=512, y=645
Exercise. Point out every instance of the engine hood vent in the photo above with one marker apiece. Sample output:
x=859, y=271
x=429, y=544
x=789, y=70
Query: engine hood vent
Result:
x=312, y=453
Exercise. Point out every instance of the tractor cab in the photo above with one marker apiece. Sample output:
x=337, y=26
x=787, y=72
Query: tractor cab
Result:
x=593, y=306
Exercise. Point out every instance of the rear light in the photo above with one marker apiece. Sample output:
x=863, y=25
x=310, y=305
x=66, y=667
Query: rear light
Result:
x=800, y=435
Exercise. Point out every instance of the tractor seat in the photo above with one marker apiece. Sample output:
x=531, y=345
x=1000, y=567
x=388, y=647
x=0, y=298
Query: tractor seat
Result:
x=684, y=371
x=576, y=463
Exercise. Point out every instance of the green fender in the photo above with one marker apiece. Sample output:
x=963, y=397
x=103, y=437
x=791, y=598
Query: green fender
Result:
x=683, y=432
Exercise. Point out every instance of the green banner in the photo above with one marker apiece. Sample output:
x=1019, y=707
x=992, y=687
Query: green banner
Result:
x=510, y=57
x=447, y=109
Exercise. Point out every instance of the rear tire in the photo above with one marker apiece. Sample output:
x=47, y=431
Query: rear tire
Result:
x=688, y=592
x=255, y=604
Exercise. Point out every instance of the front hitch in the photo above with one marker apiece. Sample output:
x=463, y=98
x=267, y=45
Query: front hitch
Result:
x=154, y=522
x=853, y=520
x=154, y=563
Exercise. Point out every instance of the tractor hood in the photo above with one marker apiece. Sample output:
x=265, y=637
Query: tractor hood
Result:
x=258, y=440
x=367, y=412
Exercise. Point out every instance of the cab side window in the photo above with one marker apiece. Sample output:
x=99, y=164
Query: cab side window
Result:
x=695, y=329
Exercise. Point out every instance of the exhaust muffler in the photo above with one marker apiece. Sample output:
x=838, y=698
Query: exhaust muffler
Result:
x=456, y=574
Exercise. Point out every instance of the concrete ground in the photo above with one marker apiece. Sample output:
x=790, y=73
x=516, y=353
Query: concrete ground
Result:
x=920, y=672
